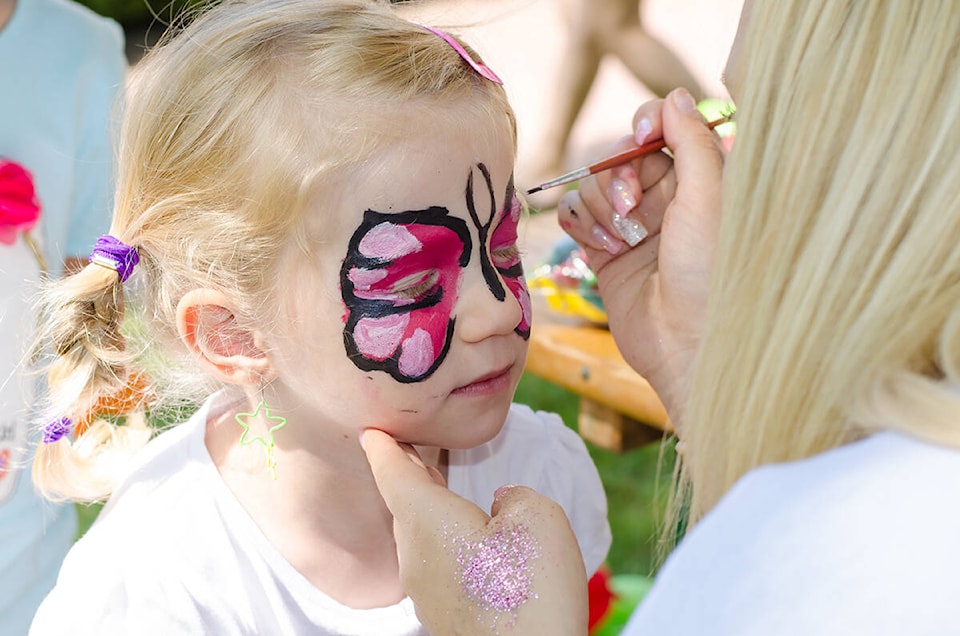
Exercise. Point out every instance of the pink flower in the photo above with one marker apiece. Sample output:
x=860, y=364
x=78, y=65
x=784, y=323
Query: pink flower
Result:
x=19, y=207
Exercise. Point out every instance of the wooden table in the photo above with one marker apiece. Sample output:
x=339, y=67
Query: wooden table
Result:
x=618, y=408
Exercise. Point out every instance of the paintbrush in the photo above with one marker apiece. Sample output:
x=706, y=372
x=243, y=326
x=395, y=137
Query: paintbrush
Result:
x=617, y=160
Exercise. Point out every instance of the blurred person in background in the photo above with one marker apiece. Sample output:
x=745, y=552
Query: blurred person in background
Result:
x=61, y=68
x=599, y=28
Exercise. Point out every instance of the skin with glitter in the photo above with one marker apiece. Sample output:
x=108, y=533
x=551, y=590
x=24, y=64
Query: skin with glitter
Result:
x=496, y=571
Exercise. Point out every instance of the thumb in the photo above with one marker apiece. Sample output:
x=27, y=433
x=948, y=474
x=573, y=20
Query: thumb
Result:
x=542, y=514
x=519, y=501
x=696, y=149
x=398, y=470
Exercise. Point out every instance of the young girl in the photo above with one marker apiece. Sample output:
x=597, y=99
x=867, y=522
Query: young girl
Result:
x=319, y=197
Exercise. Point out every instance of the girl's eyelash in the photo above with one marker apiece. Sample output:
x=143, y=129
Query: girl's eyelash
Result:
x=415, y=286
x=507, y=251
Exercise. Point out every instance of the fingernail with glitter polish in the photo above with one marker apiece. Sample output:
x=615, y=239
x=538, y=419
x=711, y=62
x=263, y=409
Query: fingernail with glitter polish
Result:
x=631, y=230
x=608, y=243
x=644, y=128
x=621, y=197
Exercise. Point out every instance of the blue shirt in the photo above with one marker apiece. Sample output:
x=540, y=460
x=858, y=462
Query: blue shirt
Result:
x=61, y=67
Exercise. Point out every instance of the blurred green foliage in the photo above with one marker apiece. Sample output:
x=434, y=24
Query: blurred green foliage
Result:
x=636, y=482
x=135, y=13
x=138, y=13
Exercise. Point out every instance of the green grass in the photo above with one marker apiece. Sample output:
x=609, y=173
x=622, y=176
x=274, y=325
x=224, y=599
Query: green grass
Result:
x=636, y=482
x=86, y=515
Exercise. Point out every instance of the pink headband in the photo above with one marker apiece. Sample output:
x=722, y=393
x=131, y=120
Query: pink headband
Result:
x=478, y=66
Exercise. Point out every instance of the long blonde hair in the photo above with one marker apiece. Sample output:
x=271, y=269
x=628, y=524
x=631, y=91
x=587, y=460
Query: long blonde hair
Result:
x=230, y=126
x=835, y=306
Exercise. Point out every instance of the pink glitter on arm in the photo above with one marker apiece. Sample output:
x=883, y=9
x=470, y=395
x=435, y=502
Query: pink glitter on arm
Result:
x=497, y=572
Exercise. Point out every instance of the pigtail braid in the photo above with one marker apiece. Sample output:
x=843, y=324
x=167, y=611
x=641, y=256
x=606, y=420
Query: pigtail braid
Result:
x=89, y=374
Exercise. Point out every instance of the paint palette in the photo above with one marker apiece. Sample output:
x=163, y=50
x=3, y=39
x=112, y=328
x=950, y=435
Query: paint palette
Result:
x=568, y=285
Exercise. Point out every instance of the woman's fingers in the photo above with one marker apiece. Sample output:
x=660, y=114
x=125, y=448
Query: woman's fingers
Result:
x=655, y=292
x=647, y=122
x=400, y=474
x=698, y=162
x=685, y=128
x=578, y=220
x=622, y=272
x=694, y=214
x=619, y=212
x=470, y=573
x=588, y=215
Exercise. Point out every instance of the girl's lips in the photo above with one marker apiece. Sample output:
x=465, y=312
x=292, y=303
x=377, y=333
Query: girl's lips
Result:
x=488, y=384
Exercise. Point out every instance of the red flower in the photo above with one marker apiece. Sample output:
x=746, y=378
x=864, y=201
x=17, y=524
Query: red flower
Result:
x=19, y=207
x=600, y=595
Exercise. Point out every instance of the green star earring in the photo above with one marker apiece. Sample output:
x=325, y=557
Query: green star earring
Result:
x=268, y=443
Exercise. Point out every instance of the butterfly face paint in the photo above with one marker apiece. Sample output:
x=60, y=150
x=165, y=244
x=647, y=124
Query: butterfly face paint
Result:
x=506, y=259
x=503, y=247
x=399, y=284
x=400, y=278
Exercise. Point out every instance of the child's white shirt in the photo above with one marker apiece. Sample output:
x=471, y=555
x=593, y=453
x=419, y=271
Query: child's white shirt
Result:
x=175, y=553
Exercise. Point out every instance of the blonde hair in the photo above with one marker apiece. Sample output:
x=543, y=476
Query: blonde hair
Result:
x=230, y=126
x=835, y=305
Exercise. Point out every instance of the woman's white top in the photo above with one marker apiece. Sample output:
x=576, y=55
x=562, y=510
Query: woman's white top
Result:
x=863, y=539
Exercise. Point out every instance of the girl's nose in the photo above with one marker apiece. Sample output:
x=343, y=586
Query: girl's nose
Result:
x=481, y=315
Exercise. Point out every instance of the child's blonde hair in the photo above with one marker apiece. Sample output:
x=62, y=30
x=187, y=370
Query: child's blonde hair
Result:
x=835, y=307
x=229, y=127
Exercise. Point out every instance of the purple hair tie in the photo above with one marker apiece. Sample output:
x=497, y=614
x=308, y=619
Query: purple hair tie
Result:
x=109, y=252
x=56, y=429
x=477, y=65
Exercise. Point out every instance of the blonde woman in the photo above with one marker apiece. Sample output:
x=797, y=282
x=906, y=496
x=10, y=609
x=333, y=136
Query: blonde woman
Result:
x=803, y=328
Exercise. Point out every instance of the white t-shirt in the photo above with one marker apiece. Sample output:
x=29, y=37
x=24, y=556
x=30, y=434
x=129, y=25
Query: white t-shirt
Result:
x=863, y=539
x=175, y=553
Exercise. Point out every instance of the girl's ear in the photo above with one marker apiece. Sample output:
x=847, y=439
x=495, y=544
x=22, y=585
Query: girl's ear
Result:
x=208, y=326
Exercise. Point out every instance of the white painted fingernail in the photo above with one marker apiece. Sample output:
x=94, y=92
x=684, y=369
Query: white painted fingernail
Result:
x=631, y=230
x=644, y=128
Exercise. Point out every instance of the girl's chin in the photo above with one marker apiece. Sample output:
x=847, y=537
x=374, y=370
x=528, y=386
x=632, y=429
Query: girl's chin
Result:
x=455, y=430
x=463, y=441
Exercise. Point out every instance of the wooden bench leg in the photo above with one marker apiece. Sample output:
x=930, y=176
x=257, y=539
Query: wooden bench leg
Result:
x=609, y=429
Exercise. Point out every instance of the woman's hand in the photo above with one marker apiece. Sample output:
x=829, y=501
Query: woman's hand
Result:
x=655, y=293
x=518, y=571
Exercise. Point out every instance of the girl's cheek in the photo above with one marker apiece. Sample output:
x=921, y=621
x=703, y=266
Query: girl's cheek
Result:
x=399, y=284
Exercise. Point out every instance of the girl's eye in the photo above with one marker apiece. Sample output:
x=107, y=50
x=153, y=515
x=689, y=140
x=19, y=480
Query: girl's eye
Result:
x=415, y=286
x=506, y=255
